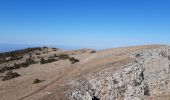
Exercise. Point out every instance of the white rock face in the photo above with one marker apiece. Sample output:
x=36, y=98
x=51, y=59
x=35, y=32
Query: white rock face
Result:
x=149, y=75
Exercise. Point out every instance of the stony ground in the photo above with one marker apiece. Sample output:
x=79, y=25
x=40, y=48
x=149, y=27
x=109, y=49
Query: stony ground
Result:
x=130, y=73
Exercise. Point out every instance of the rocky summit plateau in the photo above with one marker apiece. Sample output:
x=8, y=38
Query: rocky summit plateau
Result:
x=126, y=73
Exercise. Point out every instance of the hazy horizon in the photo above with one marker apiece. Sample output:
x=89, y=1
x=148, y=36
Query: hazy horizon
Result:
x=5, y=47
x=74, y=24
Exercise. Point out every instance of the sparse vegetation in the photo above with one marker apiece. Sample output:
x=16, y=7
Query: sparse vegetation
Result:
x=93, y=51
x=36, y=81
x=17, y=54
x=54, y=49
x=65, y=57
x=73, y=60
x=2, y=70
x=10, y=75
x=60, y=57
x=28, y=62
x=37, y=53
x=49, y=60
x=42, y=61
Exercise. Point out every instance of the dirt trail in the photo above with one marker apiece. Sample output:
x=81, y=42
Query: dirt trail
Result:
x=73, y=67
x=46, y=86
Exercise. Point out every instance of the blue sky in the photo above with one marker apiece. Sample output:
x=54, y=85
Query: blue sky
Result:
x=85, y=23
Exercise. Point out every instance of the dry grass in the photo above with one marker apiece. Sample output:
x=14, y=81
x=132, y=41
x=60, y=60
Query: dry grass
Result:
x=56, y=73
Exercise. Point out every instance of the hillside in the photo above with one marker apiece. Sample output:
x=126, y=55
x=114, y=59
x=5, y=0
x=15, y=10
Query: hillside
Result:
x=42, y=73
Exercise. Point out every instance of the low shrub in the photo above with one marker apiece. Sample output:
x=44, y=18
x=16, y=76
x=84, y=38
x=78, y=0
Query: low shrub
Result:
x=17, y=66
x=51, y=59
x=42, y=61
x=2, y=70
x=17, y=54
x=54, y=49
x=93, y=51
x=10, y=75
x=28, y=62
x=37, y=53
x=73, y=60
x=36, y=81
x=63, y=56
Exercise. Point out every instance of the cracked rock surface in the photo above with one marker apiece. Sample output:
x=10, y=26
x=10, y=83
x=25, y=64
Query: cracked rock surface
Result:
x=147, y=76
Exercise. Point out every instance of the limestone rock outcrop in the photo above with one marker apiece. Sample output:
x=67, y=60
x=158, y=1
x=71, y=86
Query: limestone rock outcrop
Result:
x=147, y=75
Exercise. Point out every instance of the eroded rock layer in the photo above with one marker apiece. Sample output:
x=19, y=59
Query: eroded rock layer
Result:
x=147, y=76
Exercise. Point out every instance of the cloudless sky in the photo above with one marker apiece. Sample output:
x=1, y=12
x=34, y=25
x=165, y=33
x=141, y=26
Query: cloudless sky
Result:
x=85, y=23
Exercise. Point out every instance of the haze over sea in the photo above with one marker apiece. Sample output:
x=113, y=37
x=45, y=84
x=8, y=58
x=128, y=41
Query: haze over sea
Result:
x=6, y=47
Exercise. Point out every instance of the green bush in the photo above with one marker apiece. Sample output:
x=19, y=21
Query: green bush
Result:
x=63, y=56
